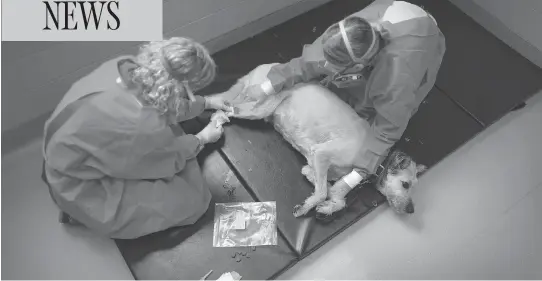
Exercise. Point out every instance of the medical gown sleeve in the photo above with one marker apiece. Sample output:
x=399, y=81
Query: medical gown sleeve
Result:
x=156, y=154
x=301, y=69
x=391, y=89
x=141, y=150
x=194, y=109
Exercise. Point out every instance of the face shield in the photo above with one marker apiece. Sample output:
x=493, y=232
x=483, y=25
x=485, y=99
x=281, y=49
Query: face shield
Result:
x=358, y=61
x=333, y=68
x=345, y=76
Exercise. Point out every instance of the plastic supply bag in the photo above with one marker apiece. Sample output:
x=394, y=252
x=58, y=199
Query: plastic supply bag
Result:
x=245, y=224
x=220, y=117
x=230, y=276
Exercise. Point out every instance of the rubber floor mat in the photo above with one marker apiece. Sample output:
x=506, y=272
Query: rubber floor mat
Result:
x=437, y=129
x=187, y=253
x=479, y=71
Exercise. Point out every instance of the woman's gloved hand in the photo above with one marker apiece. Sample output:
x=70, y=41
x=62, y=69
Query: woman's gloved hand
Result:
x=211, y=133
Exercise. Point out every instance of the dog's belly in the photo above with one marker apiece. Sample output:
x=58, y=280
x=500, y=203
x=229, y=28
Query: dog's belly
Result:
x=312, y=115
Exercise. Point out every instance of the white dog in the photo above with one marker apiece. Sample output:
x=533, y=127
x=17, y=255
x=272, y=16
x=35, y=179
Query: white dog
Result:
x=329, y=133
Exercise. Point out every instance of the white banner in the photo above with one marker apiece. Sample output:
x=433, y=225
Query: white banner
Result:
x=113, y=20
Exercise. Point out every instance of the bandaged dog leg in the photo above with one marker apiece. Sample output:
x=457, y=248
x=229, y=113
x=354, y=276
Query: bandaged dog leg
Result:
x=320, y=160
x=338, y=192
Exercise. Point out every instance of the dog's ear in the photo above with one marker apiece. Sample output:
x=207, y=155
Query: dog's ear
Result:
x=420, y=169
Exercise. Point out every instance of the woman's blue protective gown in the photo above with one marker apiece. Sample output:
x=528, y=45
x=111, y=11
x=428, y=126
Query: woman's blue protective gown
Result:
x=116, y=166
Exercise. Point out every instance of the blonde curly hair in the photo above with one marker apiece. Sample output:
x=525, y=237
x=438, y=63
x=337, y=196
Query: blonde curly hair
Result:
x=167, y=67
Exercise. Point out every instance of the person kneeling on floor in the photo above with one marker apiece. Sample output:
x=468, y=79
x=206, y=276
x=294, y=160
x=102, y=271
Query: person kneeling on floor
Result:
x=382, y=61
x=111, y=160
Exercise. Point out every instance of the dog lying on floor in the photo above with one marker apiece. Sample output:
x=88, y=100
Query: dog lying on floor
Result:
x=329, y=133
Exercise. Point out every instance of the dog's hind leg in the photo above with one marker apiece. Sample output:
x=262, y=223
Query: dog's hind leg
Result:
x=320, y=160
x=234, y=94
x=308, y=172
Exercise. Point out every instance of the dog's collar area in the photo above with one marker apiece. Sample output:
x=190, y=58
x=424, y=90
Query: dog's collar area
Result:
x=375, y=176
x=379, y=170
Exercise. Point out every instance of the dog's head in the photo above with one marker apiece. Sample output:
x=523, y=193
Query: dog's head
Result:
x=398, y=179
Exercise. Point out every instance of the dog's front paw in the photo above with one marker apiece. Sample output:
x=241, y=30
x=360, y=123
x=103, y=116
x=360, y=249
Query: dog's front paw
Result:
x=325, y=208
x=299, y=210
x=330, y=206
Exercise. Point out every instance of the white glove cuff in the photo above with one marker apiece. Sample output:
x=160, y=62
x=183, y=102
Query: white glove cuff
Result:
x=353, y=179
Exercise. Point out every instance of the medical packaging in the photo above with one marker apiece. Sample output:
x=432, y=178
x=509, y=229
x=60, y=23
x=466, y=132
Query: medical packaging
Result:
x=245, y=224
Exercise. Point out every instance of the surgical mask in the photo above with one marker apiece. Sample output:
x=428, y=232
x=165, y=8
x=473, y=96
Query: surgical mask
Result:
x=343, y=77
x=188, y=91
x=333, y=68
x=341, y=80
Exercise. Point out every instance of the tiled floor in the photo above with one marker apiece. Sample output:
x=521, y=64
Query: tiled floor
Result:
x=34, y=244
x=477, y=217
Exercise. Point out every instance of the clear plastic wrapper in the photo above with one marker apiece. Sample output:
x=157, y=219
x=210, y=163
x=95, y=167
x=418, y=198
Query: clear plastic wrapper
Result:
x=245, y=224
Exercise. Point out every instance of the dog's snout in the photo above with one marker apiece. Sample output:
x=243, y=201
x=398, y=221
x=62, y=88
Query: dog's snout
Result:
x=409, y=209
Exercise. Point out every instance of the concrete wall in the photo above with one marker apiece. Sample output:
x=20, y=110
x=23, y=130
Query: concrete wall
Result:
x=517, y=23
x=37, y=74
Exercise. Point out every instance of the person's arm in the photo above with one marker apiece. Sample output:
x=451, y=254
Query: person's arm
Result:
x=193, y=109
x=124, y=150
x=154, y=154
x=302, y=69
x=391, y=88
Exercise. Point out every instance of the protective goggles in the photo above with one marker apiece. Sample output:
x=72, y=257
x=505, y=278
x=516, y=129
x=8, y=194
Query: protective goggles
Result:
x=172, y=73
